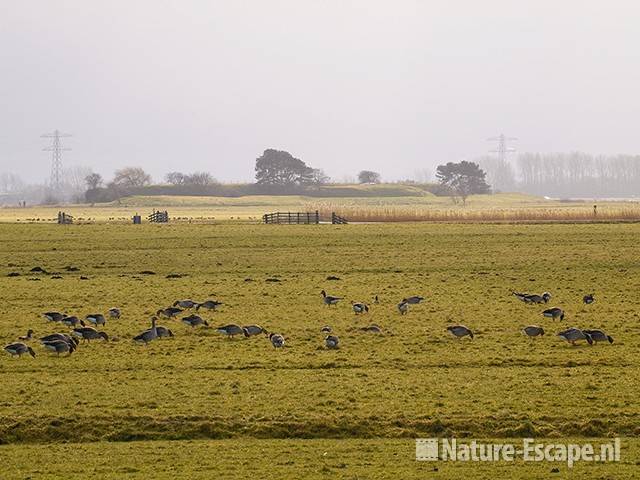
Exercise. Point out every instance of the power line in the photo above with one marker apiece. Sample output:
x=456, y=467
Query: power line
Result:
x=56, y=161
x=502, y=148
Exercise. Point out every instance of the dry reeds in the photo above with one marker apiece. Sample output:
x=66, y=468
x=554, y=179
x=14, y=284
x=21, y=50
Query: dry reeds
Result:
x=461, y=214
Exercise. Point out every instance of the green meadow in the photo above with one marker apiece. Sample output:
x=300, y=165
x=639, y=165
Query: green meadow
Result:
x=199, y=405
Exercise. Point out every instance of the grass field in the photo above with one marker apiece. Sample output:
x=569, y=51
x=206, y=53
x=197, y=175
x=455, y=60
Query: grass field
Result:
x=210, y=404
x=502, y=207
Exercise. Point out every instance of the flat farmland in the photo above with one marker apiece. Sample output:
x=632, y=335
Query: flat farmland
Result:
x=200, y=390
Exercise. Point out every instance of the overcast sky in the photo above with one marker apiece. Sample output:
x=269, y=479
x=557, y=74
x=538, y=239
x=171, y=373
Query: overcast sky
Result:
x=395, y=86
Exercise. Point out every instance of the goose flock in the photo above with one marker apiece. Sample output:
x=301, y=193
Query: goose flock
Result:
x=67, y=343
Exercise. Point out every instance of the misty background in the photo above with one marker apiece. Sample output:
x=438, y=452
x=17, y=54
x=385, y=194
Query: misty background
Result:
x=394, y=87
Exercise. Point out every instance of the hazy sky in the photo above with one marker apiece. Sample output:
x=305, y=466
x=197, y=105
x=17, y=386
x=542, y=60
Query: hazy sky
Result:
x=395, y=86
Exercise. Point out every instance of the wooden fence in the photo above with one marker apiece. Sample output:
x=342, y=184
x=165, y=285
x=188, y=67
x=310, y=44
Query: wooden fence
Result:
x=159, y=217
x=300, y=218
x=64, y=218
x=337, y=219
x=292, y=217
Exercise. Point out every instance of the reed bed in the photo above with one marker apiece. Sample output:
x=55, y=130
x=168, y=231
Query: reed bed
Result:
x=372, y=213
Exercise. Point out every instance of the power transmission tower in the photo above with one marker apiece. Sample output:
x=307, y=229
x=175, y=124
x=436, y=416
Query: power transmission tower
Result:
x=56, y=162
x=502, y=149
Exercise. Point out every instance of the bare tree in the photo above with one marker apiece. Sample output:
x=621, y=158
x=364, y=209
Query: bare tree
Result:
x=74, y=180
x=93, y=181
x=199, y=178
x=10, y=182
x=175, y=178
x=131, y=177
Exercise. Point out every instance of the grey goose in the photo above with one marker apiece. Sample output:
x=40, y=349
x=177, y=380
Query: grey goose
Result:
x=114, y=313
x=331, y=341
x=572, y=335
x=403, y=307
x=209, y=305
x=96, y=319
x=59, y=337
x=328, y=299
x=413, y=300
x=58, y=346
x=555, y=313
x=460, y=331
x=71, y=321
x=187, y=303
x=251, y=330
x=276, y=340
x=54, y=316
x=194, y=320
x=230, y=330
x=533, y=331
x=148, y=335
x=19, y=349
x=359, y=307
x=169, y=312
x=599, y=336
x=89, y=333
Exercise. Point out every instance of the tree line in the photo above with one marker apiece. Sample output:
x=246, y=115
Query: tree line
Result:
x=565, y=175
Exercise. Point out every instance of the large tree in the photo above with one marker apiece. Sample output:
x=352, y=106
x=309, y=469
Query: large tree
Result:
x=462, y=179
x=131, y=177
x=93, y=181
x=277, y=167
x=367, y=176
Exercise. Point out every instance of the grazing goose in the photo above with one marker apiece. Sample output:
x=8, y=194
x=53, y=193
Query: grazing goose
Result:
x=54, y=316
x=555, y=313
x=403, y=307
x=230, y=330
x=251, y=330
x=148, y=335
x=331, y=341
x=588, y=299
x=89, y=333
x=96, y=319
x=18, y=349
x=71, y=321
x=373, y=328
x=209, y=305
x=460, y=331
x=185, y=303
x=599, y=336
x=520, y=296
x=163, y=331
x=538, y=299
x=59, y=337
x=326, y=329
x=114, y=313
x=359, y=307
x=533, y=298
x=28, y=336
x=572, y=335
x=194, y=321
x=277, y=340
x=413, y=300
x=329, y=300
x=533, y=331
x=58, y=346
x=169, y=312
